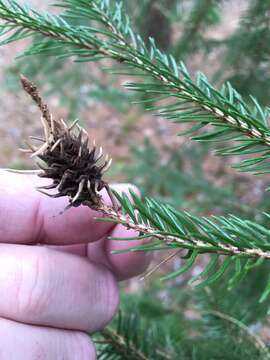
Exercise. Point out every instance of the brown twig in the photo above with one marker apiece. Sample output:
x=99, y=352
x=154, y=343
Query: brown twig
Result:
x=120, y=345
x=32, y=90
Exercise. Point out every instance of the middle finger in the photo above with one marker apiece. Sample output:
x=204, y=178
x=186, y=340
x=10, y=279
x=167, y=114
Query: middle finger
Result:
x=42, y=286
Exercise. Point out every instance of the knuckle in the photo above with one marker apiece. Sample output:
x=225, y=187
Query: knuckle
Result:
x=33, y=293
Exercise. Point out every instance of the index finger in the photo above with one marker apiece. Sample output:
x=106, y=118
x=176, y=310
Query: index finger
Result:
x=29, y=217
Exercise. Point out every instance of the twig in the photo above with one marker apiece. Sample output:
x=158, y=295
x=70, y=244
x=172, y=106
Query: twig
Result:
x=120, y=345
x=255, y=339
x=118, y=217
x=32, y=90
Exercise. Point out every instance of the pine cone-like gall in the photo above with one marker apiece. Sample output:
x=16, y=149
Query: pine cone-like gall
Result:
x=75, y=168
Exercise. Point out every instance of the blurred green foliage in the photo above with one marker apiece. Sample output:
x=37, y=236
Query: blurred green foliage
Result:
x=174, y=323
x=247, y=54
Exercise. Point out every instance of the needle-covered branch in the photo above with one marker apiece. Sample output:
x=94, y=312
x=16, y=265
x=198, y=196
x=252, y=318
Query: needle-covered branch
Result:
x=233, y=243
x=107, y=34
x=76, y=170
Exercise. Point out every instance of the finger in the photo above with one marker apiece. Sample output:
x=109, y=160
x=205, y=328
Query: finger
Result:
x=128, y=264
x=27, y=342
x=28, y=217
x=42, y=286
x=125, y=265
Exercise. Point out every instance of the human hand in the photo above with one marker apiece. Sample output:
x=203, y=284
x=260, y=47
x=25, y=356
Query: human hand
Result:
x=51, y=295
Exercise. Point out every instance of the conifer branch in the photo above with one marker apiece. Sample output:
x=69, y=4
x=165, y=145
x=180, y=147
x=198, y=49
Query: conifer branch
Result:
x=126, y=341
x=256, y=340
x=233, y=243
x=185, y=241
x=119, y=345
x=76, y=171
x=110, y=36
x=130, y=338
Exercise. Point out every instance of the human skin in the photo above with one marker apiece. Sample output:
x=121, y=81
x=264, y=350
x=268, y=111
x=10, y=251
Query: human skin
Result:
x=58, y=278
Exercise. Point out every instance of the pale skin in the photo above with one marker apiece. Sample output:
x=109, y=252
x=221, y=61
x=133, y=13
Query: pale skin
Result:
x=58, y=278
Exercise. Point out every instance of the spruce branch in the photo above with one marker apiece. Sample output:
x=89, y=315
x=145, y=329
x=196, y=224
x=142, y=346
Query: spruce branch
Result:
x=155, y=212
x=119, y=345
x=256, y=340
x=109, y=35
x=77, y=172
x=130, y=339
